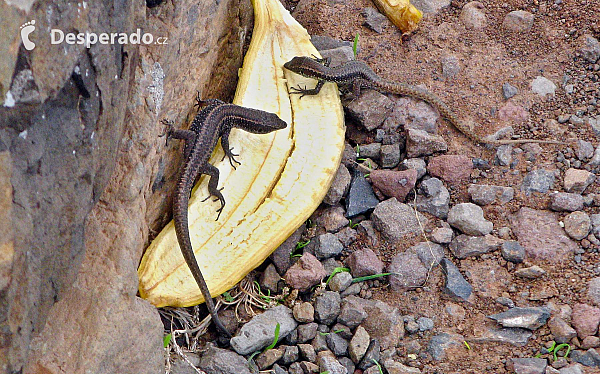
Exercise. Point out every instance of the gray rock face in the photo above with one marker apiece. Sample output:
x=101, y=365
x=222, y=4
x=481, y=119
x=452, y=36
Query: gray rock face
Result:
x=483, y=194
x=352, y=312
x=515, y=336
x=407, y=271
x=260, y=331
x=528, y=318
x=434, y=198
x=527, y=365
x=326, y=245
x=512, y=251
x=361, y=198
x=327, y=307
x=543, y=86
x=370, y=109
x=469, y=219
x=456, y=286
x=464, y=246
x=538, y=180
x=566, y=202
x=395, y=220
x=223, y=361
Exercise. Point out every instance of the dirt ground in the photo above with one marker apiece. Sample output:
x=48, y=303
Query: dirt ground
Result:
x=488, y=58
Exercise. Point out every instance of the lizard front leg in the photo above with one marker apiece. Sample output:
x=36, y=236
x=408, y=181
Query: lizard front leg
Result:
x=303, y=91
x=228, y=150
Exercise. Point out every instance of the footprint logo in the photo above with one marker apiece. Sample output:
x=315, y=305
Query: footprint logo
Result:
x=26, y=29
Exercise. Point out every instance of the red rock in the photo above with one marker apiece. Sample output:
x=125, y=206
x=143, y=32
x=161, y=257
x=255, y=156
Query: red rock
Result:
x=453, y=169
x=364, y=262
x=305, y=273
x=585, y=320
x=542, y=237
x=393, y=183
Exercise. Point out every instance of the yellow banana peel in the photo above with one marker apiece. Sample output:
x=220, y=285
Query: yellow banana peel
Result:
x=283, y=177
x=401, y=12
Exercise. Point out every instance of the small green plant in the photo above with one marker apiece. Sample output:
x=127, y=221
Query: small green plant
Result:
x=335, y=271
x=228, y=297
x=467, y=345
x=355, y=46
x=272, y=345
x=332, y=332
x=368, y=277
x=167, y=340
x=299, y=246
x=378, y=366
x=261, y=294
x=554, y=349
x=352, y=225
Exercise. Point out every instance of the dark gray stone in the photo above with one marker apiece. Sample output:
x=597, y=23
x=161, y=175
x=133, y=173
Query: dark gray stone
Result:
x=372, y=355
x=455, y=286
x=325, y=246
x=339, y=186
x=512, y=251
x=223, y=361
x=590, y=358
x=509, y=91
x=464, y=246
x=434, y=198
x=515, y=336
x=352, y=312
x=327, y=307
x=539, y=180
x=307, y=332
x=374, y=20
x=337, y=344
x=361, y=198
x=291, y=354
x=281, y=257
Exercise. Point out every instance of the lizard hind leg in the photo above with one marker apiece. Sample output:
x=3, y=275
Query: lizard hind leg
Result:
x=213, y=182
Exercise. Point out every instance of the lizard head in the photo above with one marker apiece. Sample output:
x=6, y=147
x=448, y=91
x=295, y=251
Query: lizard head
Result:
x=303, y=65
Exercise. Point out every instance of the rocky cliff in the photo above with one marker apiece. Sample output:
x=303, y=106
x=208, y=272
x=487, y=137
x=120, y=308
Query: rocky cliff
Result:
x=85, y=179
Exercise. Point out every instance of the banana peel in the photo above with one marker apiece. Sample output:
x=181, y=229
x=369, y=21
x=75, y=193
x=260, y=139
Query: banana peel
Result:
x=283, y=177
x=401, y=12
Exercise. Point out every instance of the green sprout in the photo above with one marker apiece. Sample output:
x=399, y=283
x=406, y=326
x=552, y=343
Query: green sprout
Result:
x=378, y=366
x=467, y=345
x=332, y=332
x=369, y=277
x=355, y=46
x=272, y=345
x=228, y=297
x=299, y=246
x=167, y=340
